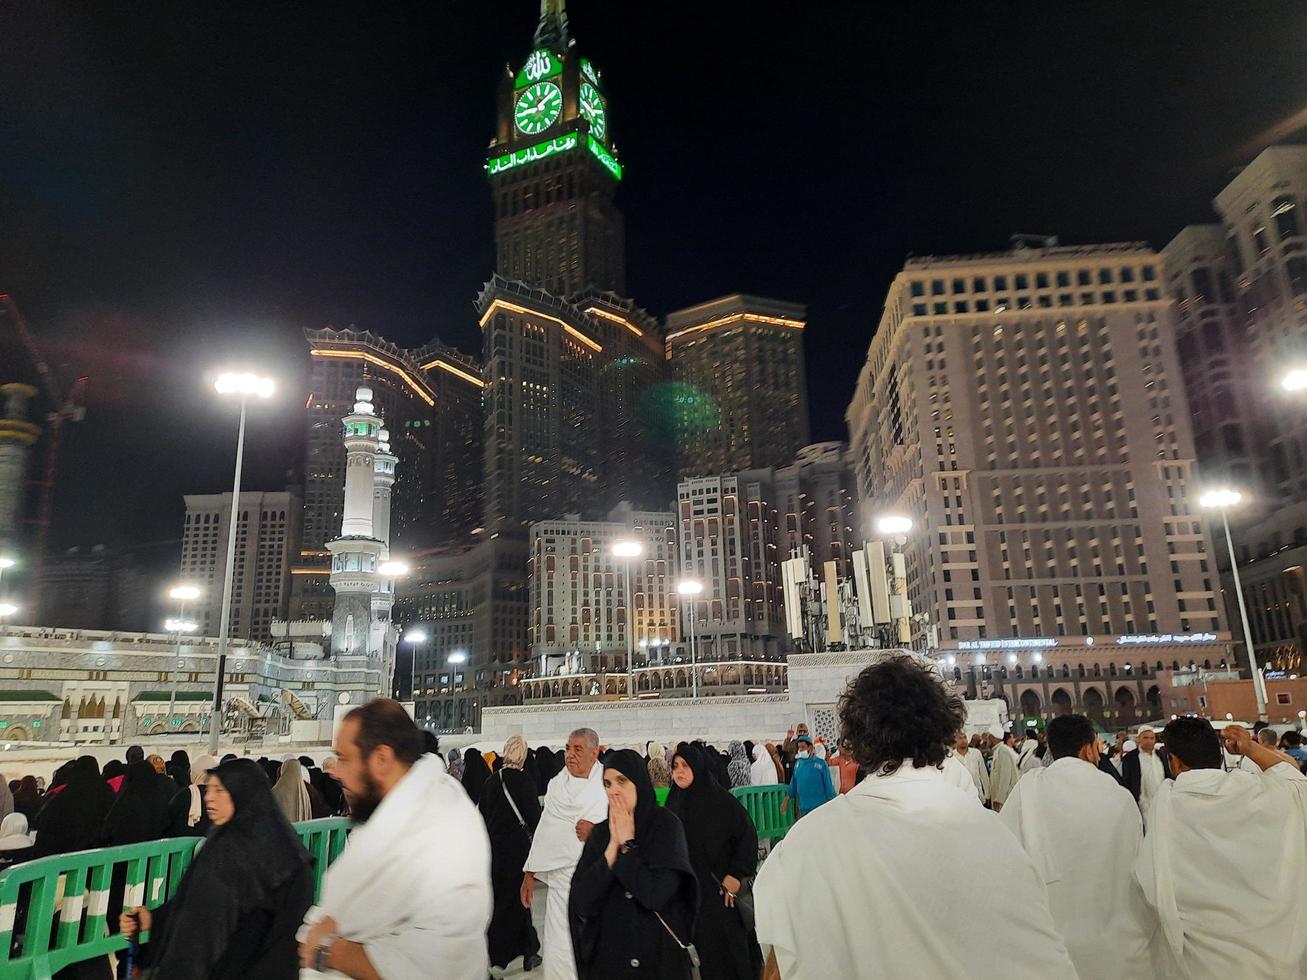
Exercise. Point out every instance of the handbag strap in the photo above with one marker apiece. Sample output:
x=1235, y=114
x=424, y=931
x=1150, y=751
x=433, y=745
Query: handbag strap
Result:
x=687, y=948
x=675, y=938
x=511, y=802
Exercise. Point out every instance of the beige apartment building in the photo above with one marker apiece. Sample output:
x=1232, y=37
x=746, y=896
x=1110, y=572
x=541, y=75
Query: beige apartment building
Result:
x=1025, y=410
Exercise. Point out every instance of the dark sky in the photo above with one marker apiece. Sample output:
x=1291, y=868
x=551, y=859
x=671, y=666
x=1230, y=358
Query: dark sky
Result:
x=183, y=183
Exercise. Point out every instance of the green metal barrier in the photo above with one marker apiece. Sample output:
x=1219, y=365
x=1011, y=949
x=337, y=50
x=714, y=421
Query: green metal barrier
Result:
x=53, y=910
x=763, y=804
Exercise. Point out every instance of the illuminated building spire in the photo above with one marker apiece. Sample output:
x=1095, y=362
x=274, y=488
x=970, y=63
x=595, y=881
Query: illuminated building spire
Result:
x=552, y=30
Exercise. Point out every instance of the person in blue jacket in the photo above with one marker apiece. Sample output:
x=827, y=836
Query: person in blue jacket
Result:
x=811, y=784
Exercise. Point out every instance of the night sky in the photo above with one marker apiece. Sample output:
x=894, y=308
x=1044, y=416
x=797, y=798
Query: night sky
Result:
x=183, y=184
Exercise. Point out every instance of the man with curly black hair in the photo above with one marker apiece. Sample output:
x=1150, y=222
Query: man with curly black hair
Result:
x=905, y=855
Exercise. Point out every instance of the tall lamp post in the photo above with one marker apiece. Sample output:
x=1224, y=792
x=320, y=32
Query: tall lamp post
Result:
x=898, y=527
x=413, y=638
x=245, y=386
x=180, y=626
x=1223, y=500
x=7, y=609
x=692, y=588
x=628, y=551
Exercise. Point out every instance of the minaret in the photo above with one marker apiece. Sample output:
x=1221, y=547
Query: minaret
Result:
x=361, y=625
x=551, y=32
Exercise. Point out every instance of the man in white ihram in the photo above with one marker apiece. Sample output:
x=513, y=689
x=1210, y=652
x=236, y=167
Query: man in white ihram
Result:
x=1083, y=831
x=574, y=802
x=974, y=763
x=1225, y=859
x=885, y=880
x=410, y=897
x=1004, y=774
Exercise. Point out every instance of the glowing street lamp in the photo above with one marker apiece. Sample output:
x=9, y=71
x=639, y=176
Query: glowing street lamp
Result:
x=244, y=385
x=393, y=569
x=692, y=588
x=894, y=525
x=6, y=562
x=627, y=551
x=1223, y=499
x=7, y=609
x=1294, y=380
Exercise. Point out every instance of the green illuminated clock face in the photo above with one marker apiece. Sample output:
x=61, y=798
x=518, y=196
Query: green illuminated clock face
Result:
x=538, y=107
x=592, y=108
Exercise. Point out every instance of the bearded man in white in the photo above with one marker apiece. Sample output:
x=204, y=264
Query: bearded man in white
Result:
x=574, y=802
x=1083, y=831
x=885, y=880
x=1225, y=859
x=410, y=896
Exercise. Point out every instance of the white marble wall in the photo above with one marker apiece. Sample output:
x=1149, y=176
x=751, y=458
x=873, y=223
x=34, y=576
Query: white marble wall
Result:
x=816, y=682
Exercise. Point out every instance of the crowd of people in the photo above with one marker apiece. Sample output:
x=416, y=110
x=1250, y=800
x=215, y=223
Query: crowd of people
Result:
x=1173, y=853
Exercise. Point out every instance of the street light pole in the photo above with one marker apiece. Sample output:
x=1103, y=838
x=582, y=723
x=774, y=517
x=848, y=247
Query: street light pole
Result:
x=691, y=589
x=1223, y=500
x=628, y=551
x=243, y=385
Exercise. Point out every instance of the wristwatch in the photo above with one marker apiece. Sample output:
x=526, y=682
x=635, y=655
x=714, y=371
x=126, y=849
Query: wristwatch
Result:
x=626, y=847
x=322, y=954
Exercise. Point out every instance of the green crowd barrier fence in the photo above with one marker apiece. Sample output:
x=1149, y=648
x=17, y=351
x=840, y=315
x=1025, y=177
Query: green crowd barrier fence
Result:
x=53, y=911
x=763, y=804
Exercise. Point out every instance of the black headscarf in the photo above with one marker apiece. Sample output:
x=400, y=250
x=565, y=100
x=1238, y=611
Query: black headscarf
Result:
x=661, y=842
x=712, y=817
x=475, y=773
x=243, y=864
x=179, y=768
x=112, y=769
x=140, y=812
x=71, y=819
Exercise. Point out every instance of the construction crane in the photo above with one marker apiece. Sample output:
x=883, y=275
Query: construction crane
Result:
x=69, y=406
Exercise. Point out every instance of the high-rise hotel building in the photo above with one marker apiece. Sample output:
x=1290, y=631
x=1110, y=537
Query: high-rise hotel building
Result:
x=739, y=363
x=568, y=358
x=1026, y=410
x=1241, y=290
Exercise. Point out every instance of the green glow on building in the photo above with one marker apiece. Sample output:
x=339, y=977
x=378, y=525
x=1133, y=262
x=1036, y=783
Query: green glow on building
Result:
x=541, y=64
x=588, y=70
x=604, y=157
x=530, y=154
x=549, y=148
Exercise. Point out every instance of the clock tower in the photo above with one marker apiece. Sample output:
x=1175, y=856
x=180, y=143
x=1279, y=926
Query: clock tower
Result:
x=554, y=171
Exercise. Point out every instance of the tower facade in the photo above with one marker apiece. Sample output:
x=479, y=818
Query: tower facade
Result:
x=360, y=624
x=554, y=170
x=738, y=363
x=569, y=362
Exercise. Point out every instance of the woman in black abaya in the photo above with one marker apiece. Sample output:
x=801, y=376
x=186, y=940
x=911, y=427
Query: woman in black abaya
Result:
x=237, y=907
x=510, y=807
x=475, y=773
x=72, y=818
x=633, y=870
x=723, y=847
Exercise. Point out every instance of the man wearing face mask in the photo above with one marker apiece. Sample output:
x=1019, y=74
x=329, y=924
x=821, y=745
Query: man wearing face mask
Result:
x=811, y=784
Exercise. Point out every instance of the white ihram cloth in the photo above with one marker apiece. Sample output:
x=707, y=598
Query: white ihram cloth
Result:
x=762, y=772
x=554, y=853
x=885, y=881
x=1151, y=778
x=1083, y=831
x=413, y=883
x=955, y=772
x=1224, y=864
x=1004, y=774
x=1027, y=761
x=975, y=763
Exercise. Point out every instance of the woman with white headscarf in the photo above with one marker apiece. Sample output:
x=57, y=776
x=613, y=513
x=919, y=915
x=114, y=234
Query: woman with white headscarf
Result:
x=763, y=770
x=292, y=793
x=511, y=809
x=15, y=842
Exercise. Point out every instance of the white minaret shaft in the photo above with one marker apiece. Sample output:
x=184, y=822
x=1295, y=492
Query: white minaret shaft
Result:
x=361, y=430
